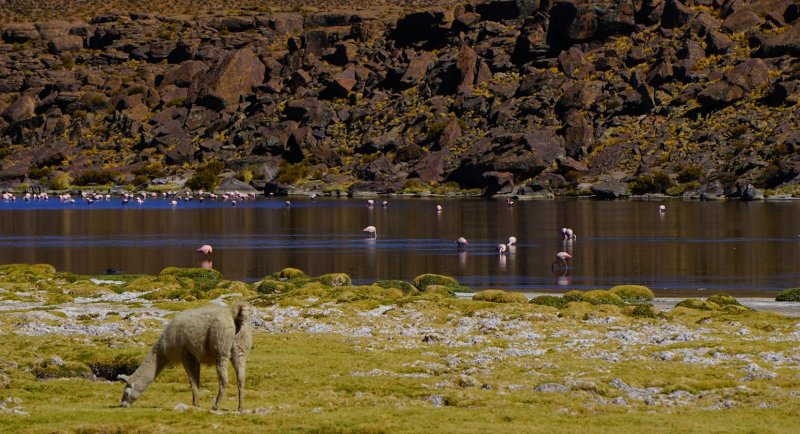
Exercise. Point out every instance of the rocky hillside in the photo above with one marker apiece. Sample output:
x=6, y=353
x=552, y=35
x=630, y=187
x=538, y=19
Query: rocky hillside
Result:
x=610, y=97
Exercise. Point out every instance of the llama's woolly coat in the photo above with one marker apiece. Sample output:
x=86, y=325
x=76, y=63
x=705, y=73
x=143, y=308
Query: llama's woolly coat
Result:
x=210, y=335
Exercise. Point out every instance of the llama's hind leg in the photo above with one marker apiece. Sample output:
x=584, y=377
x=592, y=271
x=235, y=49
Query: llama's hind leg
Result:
x=192, y=367
x=239, y=362
x=222, y=376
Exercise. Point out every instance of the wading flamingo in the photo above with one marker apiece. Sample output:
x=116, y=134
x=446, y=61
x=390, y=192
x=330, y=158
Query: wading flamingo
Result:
x=512, y=241
x=500, y=249
x=462, y=243
x=371, y=231
x=561, y=257
x=204, y=249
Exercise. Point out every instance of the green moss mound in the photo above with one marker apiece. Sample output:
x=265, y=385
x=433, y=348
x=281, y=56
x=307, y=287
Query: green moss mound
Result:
x=499, y=296
x=550, y=300
x=792, y=294
x=290, y=273
x=633, y=293
x=643, y=311
x=26, y=273
x=336, y=279
x=402, y=285
x=719, y=302
x=573, y=296
x=601, y=296
x=274, y=287
x=203, y=278
x=438, y=291
x=723, y=300
x=424, y=280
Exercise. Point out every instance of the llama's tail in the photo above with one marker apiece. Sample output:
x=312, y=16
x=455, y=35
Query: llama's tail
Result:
x=241, y=311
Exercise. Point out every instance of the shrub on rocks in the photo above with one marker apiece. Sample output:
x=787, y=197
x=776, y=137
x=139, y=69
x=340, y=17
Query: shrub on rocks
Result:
x=633, y=293
x=550, y=300
x=792, y=294
x=573, y=296
x=499, y=296
x=601, y=296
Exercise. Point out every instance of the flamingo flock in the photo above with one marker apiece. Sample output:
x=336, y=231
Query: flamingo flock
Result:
x=561, y=263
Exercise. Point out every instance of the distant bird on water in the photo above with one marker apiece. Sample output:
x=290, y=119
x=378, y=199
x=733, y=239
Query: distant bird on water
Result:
x=385, y=203
x=439, y=208
x=500, y=249
x=204, y=249
x=562, y=258
x=512, y=241
x=462, y=243
x=370, y=203
x=662, y=209
x=568, y=234
x=371, y=231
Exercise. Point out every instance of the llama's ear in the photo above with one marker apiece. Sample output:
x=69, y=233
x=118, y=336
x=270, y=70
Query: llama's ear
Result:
x=124, y=378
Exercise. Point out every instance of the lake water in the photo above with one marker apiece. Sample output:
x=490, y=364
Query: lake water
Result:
x=693, y=249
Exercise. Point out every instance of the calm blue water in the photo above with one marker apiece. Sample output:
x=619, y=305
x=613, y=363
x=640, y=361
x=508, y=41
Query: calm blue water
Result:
x=695, y=247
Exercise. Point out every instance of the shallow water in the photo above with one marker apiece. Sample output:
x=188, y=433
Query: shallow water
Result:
x=693, y=248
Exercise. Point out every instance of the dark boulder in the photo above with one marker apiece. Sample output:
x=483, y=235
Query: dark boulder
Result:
x=498, y=183
x=309, y=111
x=676, y=14
x=19, y=32
x=60, y=44
x=499, y=10
x=231, y=78
x=785, y=43
x=610, y=190
x=576, y=21
x=419, y=27
x=22, y=109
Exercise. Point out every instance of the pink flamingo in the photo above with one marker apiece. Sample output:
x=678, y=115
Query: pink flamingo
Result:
x=562, y=256
x=662, y=209
x=462, y=243
x=204, y=249
x=371, y=231
x=500, y=249
x=370, y=203
x=512, y=241
x=439, y=208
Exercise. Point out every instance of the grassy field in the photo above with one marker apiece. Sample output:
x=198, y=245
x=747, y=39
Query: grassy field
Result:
x=409, y=359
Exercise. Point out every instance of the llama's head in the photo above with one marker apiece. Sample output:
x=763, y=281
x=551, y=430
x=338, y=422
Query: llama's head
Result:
x=129, y=395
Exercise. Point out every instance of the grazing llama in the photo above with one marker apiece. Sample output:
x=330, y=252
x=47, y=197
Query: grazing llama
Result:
x=209, y=335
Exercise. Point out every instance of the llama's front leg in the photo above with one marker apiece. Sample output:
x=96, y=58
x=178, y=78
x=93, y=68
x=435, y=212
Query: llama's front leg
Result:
x=239, y=363
x=192, y=367
x=222, y=376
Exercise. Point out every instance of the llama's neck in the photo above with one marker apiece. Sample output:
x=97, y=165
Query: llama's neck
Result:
x=146, y=372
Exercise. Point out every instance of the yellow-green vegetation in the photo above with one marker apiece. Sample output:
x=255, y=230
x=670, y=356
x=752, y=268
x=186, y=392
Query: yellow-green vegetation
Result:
x=792, y=294
x=500, y=296
x=633, y=293
x=374, y=358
